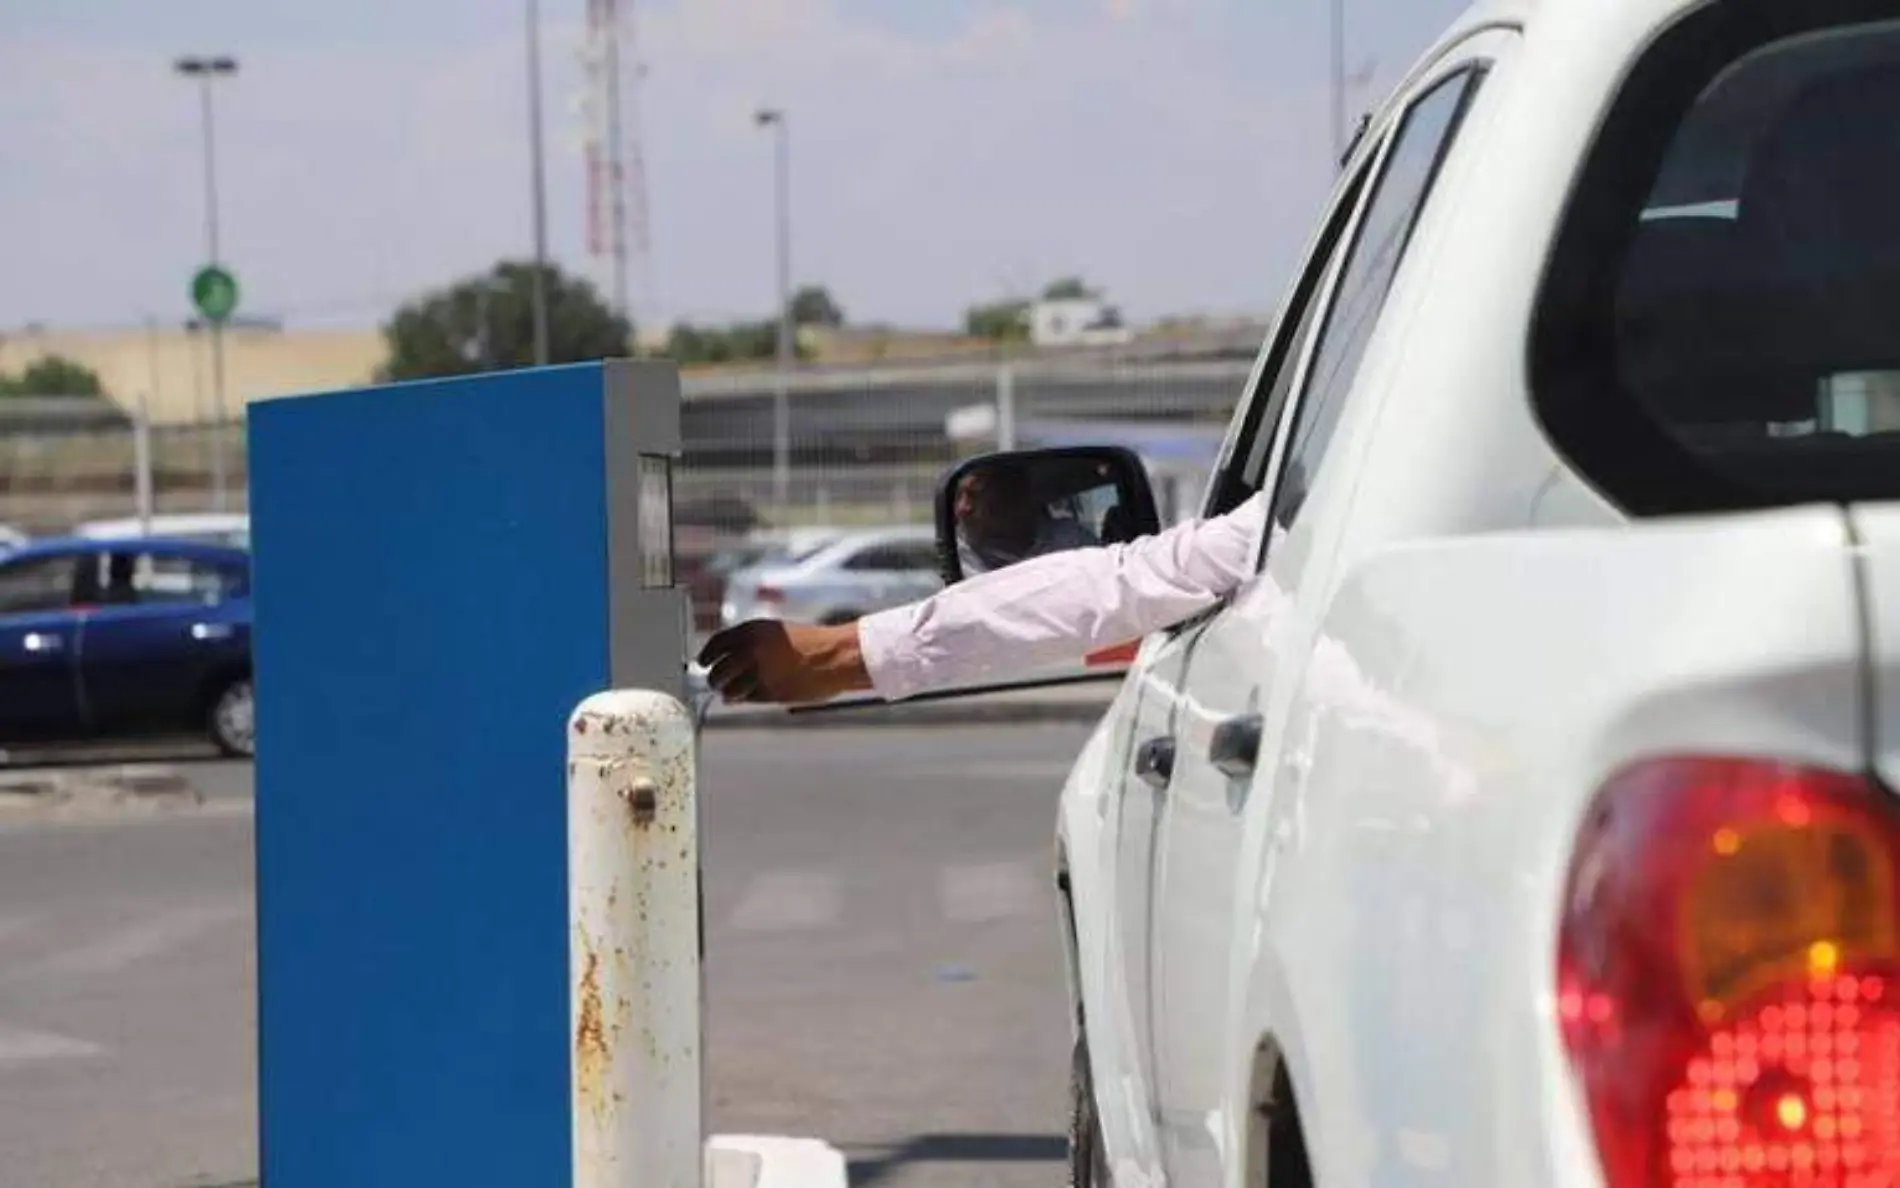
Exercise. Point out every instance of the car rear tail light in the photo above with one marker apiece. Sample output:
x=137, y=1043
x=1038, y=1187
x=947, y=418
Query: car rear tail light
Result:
x=1729, y=976
x=770, y=595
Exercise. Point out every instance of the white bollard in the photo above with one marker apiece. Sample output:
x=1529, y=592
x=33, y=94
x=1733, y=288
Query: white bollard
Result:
x=634, y=943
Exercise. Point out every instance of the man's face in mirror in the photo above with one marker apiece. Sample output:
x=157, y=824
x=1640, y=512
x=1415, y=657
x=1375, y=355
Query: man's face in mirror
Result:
x=993, y=508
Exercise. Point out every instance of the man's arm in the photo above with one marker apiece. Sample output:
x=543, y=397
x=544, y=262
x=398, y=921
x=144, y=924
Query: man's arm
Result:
x=1042, y=611
x=1060, y=606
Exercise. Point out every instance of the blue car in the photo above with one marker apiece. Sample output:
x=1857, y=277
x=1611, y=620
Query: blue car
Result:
x=110, y=639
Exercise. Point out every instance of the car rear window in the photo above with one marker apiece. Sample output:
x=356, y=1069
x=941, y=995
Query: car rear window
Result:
x=1720, y=321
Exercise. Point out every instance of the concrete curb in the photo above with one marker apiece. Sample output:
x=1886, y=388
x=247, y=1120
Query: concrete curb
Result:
x=91, y=791
x=764, y=1161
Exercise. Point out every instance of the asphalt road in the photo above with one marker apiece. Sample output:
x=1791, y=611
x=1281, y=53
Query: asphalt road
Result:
x=126, y=996
x=883, y=969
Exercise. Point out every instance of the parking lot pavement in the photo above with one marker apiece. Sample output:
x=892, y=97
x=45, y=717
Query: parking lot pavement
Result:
x=882, y=966
x=882, y=954
x=126, y=1004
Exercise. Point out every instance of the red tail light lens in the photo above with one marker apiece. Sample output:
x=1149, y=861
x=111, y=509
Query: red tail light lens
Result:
x=1729, y=977
x=771, y=595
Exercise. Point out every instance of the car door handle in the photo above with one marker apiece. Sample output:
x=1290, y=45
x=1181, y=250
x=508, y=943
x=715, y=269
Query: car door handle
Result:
x=1154, y=762
x=1235, y=747
x=42, y=642
x=205, y=632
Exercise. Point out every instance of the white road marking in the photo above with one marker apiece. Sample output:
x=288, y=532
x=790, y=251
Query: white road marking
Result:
x=128, y=946
x=787, y=900
x=990, y=891
x=18, y=1045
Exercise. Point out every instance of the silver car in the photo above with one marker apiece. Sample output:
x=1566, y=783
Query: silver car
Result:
x=853, y=575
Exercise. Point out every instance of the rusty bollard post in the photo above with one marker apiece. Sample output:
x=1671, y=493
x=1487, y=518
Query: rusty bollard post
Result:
x=633, y=945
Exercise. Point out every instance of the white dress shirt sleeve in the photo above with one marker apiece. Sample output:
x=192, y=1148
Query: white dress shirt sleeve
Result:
x=1060, y=607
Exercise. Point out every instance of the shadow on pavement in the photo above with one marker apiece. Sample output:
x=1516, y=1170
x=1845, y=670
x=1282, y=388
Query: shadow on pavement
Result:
x=957, y=1148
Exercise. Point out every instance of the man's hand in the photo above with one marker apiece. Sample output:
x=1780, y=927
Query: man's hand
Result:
x=769, y=662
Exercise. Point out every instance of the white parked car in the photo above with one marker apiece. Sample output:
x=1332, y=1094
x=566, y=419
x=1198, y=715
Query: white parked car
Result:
x=840, y=578
x=1530, y=818
x=231, y=529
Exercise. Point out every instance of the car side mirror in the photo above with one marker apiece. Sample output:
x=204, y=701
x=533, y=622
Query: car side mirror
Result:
x=1000, y=509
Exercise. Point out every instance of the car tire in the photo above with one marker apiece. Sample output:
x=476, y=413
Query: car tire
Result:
x=231, y=720
x=1088, y=1163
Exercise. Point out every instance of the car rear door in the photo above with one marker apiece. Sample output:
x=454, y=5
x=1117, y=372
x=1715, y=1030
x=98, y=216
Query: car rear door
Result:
x=1125, y=1047
x=39, y=688
x=1122, y=1044
x=147, y=653
x=1222, y=738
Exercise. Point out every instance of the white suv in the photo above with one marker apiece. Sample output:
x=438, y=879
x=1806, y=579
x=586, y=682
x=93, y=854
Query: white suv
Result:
x=1529, y=818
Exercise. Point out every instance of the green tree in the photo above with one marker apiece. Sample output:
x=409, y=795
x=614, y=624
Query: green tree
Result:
x=999, y=321
x=53, y=375
x=486, y=323
x=1067, y=288
x=688, y=345
x=813, y=306
x=755, y=340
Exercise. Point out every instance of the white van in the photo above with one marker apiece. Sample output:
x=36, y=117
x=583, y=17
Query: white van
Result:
x=223, y=528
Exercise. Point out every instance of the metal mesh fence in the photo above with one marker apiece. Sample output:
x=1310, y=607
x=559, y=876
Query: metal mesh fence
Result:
x=865, y=447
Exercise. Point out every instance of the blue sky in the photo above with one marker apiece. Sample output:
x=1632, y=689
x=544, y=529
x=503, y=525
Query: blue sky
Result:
x=944, y=151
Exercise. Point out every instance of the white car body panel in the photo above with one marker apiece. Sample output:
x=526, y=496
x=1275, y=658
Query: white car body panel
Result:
x=1423, y=767
x=1412, y=843
x=1448, y=661
x=1878, y=530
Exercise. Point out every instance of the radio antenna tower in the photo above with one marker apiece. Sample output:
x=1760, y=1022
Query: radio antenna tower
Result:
x=617, y=233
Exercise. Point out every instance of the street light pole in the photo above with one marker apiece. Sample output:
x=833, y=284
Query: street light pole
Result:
x=205, y=70
x=538, y=167
x=781, y=404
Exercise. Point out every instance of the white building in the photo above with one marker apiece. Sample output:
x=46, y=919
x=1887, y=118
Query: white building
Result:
x=1076, y=321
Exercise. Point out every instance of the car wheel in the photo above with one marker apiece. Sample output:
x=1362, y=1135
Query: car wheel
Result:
x=233, y=719
x=1088, y=1163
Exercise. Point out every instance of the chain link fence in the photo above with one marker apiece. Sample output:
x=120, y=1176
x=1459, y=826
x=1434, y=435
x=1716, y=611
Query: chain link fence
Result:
x=865, y=446
x=868, y=447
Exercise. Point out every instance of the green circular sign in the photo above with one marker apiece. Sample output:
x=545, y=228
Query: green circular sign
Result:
x=215, y=292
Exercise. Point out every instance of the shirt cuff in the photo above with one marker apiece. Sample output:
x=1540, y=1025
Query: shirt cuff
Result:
x=888, y=643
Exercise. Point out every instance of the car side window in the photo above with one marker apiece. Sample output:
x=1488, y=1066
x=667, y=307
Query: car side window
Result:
x=236, y=577
x=1246, y=468
x=158, y=579
x=896, y=558
x=32, y=585
x=920, y=557
x=877, y=559
x=1411, y=166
